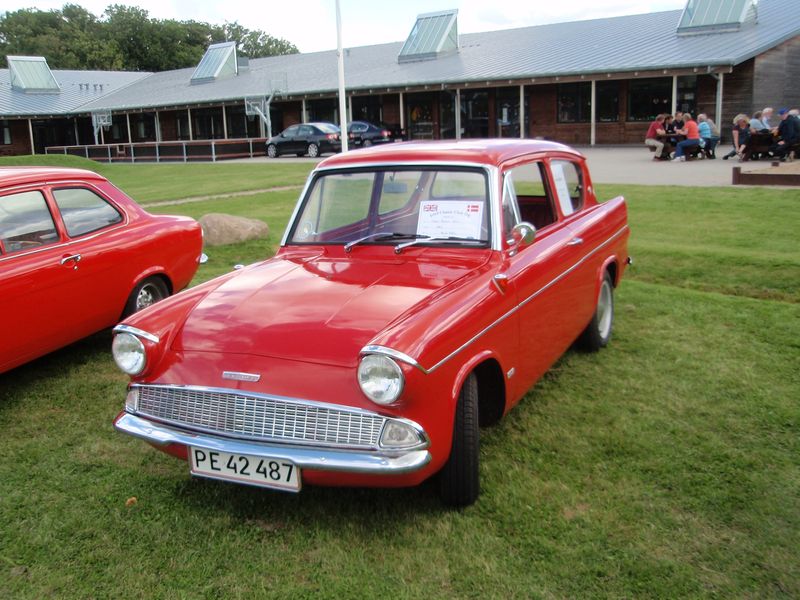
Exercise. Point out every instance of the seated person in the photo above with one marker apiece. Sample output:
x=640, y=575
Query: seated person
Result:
x=741, y=136
x=757, y=125
x=788, y=135
x=692, y=133
x=704, y=126
x=650, y=139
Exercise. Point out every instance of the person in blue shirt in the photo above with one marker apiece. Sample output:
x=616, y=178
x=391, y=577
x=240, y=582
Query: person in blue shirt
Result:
x=707, y=135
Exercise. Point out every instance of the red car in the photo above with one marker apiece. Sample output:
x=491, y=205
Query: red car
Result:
x=420, y=290
x=77, y=255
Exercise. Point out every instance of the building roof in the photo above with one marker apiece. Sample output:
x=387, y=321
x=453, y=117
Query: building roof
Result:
x=614, y=46
x=77, y=89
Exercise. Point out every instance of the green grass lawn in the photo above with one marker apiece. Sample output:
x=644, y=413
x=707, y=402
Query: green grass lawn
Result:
x=667, y=465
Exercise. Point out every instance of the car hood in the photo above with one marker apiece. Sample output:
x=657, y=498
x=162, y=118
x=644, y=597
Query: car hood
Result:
x=318, y=309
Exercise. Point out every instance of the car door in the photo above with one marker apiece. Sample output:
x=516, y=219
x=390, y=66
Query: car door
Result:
x=569, y=183
x=101, y=274
x=288, y=142
x=540, y=274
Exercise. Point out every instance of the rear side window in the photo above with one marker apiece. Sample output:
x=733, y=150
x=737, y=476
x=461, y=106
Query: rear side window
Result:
x=25, y=222
x=568, y=181
x=83, y=211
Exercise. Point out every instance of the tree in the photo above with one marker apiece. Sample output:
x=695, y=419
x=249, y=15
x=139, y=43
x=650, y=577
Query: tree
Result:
x=125, y=38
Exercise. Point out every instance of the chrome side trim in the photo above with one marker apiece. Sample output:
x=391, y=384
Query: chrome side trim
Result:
x=137, y=332
x=473, y=339
x=322, y=459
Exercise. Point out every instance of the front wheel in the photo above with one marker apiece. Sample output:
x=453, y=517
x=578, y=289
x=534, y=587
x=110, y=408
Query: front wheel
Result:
x=598, y=332
x=146, y=293
x=459, y=480
x=313, y=150
x=272, y=151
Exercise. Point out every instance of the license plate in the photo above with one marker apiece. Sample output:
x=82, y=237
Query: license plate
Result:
x=243, y=468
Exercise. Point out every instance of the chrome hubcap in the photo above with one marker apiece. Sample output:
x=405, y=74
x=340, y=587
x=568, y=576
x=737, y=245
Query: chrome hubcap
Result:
x=605, y=310
x=147, y=296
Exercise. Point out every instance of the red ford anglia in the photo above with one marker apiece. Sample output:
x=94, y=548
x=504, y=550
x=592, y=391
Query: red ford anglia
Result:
x=419, y=291
x=76, y=255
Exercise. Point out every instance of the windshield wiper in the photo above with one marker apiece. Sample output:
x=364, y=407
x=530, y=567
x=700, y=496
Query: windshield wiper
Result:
x=395, y=235
x=427, y=238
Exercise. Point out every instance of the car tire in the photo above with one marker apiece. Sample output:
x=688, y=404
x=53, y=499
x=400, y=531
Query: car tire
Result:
x=598, y=332
x=146, y=293
x=459, y=480
x=313, y=150
x=272, y=151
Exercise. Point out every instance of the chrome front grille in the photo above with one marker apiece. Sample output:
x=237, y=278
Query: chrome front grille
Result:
x=262, y=417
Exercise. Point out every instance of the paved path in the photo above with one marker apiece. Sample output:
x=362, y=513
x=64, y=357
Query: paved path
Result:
x=629, y=164
x=635, y=164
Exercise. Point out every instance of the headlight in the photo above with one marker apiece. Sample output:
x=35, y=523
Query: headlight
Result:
x=380, y=378
x=129, y=353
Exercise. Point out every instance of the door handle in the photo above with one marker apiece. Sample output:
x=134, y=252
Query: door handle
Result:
x=576, y=241
x=75, y=258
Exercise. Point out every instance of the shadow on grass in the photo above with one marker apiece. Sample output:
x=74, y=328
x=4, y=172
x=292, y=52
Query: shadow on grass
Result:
x=35, y=376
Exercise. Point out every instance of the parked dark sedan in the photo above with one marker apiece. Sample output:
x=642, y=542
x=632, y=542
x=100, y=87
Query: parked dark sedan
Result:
x=305, y=138
x=362, y=133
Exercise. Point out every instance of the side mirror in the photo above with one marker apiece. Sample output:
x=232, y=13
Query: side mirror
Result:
x=522, y=235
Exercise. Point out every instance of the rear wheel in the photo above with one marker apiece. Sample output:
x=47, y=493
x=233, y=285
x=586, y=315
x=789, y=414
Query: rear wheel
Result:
x=459, y=480
x=272, y=151
x=313, y=150
x=146, y=293
x=598, y=332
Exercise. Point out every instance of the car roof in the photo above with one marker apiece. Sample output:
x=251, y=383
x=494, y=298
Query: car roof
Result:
x=13, y=176
x=480, y=151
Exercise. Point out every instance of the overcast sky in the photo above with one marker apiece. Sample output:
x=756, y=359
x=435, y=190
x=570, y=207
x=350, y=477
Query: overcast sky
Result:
x=311, y=24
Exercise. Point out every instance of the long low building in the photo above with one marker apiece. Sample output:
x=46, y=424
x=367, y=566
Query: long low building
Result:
x=588, y=82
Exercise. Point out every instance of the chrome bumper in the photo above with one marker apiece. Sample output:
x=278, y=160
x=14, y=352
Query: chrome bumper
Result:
x=316, y=458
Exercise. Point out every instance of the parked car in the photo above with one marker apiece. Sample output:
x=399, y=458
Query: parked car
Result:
x=420, y=290
x=312, y=139
x=361, y=133
x=77, y=255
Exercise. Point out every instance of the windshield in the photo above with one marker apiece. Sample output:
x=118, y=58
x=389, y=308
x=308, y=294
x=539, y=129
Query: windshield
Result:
x=426, y=205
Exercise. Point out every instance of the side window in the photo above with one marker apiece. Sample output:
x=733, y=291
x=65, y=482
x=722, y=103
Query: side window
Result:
x=568, y=180
x=291, y=131
x=534, y=199
x=83, y=211
x=25, y=222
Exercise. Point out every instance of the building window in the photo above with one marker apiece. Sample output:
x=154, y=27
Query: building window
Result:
x=648, y=98
x=5, y=133
x=687, y=94
x=607, y=97
x=574, y=102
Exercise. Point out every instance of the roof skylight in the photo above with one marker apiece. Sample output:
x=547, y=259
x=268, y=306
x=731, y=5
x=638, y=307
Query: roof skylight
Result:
x=433, y=35
x=219, y=61
x=704, y=16
x=31, y=74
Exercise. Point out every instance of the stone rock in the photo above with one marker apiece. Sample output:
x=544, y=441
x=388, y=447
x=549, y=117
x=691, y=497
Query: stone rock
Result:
x=219, y=229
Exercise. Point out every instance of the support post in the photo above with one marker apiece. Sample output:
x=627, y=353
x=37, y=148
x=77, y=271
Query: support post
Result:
x=593, y=113
x=521, y=111
x=458, y=113
x=128, y=119
x=30, y=132
x=191, y=134
x=224, y=123
x=403, y=112
x=718, y=107
x=674, y=105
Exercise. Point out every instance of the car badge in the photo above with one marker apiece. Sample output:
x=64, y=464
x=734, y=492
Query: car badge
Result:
x=237, y=376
